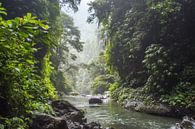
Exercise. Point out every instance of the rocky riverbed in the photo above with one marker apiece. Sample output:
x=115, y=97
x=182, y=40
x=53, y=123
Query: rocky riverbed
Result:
x=157, y=109
x=187, y=123
x=66, y=116
x=111, y=114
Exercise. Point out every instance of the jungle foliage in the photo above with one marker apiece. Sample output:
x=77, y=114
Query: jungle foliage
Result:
x=150, y=45
x=32, y=35
x=100, y=75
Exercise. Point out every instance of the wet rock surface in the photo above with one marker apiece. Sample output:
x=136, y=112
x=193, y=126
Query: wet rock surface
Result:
x=157, y=109
x=95, y=100
x=187, y=123
x=45, y=121
x=66, y=117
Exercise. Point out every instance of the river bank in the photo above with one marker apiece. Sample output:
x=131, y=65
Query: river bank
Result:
x=157, y=108
x=79, y=114
x=110, y=114
x=139, y=101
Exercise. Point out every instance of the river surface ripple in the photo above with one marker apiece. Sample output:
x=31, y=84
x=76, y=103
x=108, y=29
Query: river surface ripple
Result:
x=111, y=114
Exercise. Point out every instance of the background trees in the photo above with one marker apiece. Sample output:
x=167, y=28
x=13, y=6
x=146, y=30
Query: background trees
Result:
x=63, y=76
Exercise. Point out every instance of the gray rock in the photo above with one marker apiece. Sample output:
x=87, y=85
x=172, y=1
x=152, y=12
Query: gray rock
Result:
x=95, y=100
x=158, y=109
x=65, y=109
x=62, y=107
x=187, y=123
x=135, y=105
x=45, y=121
x=76, y=117
x=67, y=117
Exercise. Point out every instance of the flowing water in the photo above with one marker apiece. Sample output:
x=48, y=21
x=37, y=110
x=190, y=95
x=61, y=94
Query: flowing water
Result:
x=110, y=114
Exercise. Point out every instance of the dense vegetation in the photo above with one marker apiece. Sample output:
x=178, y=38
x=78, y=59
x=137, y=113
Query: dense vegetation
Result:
x=32, y=56
x=149, y=54
x=150, y=46
x=100, y=77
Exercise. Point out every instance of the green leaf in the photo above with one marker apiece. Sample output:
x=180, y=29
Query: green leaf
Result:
x=3, y=12
x=28, y=16
x=9, y=23
x=46, y=27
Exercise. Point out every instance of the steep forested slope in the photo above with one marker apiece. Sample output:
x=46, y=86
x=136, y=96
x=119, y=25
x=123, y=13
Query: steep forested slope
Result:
x=150, y=45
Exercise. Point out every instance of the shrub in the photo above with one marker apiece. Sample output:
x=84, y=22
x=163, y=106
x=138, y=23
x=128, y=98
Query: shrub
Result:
x=101, y=83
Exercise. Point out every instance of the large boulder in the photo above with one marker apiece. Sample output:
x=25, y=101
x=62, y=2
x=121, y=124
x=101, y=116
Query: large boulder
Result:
x=66, y=117
x=65, y=109
x=62, y=107
x=95, y=100
x=157, y=108
x=135, y=105
x=187, y=123
x=76, y=117
x=45, y=121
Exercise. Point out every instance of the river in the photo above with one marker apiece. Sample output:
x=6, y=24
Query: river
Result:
x=111, y=114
